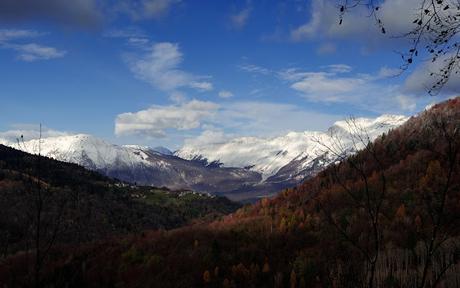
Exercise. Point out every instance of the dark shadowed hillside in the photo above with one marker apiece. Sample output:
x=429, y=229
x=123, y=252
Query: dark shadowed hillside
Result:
x=76, y=205
x=386, y=217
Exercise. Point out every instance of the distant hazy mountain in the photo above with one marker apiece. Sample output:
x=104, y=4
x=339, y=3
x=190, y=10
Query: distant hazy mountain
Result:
x=242, y=169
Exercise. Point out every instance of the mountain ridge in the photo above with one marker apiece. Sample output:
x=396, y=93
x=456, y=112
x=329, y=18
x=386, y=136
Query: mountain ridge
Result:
x=242, y=169
x=272, y=154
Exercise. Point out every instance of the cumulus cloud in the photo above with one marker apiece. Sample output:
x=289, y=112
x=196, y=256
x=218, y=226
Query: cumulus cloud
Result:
x=155, y=120
x=326, y=87
x=28, y=132
x=225, y=94
x=323, y=22
x=177, y=97
x=421, y=79
x=30, y=51
x=360, y=90
x=406, y=102
x=79, y=13
x=160, y=68
x=239, y=20
x=336, y=83
x=255, y=118
x=220, y=121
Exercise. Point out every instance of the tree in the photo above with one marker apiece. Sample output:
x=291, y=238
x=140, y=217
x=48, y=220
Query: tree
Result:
x=435, y=35
x=367, y=195
x=437, y=186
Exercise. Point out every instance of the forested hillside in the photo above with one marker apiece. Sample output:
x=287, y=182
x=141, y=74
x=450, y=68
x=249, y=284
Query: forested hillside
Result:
x=66, y=203
x=386, y=217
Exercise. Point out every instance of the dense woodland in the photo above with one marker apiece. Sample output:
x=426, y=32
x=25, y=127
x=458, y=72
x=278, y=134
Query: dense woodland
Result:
x=45, y=203
x=386, y=217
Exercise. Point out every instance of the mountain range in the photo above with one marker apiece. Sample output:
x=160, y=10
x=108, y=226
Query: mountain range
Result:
x=242, y=169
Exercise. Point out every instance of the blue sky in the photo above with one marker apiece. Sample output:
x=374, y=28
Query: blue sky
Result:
x=159, y=72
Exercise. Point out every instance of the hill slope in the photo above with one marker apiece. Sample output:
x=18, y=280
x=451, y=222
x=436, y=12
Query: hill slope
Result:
x=82, y=205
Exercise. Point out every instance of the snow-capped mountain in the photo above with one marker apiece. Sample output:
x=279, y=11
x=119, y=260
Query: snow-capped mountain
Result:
x=293, y=152
x=243, y=168
x=86, y=150
x=139, y=164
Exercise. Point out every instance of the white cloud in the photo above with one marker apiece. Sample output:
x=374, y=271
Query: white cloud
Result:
x=292, y=74
x=156, y=119
x=406, y=102
x=323, y=23
x=255, y=69
x=338, y=68
x=397, y=17
x=253, y=118
x=203, y=86
x=29, y=132
x=138, y=41
x=33, y=52
x=240, y=19
x=160, y=68
x=421, y=80
x=13, y=34
x=177, y=97
x=386, y=72
x=326, y=87
x=359, y=90
x=311, y=28
x=225, y=94
x=337, y=84
x=235, y=118
x=30, y=51
x=133, y=36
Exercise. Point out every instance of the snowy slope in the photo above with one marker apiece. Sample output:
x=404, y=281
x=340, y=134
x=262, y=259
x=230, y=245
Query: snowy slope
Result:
x=268, y=156
x=86, y=150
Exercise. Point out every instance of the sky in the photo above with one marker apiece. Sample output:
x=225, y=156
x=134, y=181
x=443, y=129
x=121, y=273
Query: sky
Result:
x=164, y=72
